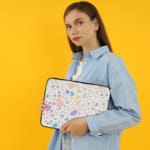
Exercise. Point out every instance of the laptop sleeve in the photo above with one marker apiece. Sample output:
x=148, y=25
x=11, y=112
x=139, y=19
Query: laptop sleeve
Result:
x=66, y=99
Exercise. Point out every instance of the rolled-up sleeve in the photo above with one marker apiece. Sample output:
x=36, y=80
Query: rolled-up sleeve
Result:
x=126, y=111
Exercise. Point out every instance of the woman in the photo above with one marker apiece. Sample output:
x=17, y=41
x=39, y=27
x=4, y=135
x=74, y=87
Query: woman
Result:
x=94, y=62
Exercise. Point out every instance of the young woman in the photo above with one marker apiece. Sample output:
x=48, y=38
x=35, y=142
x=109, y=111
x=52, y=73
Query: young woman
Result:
x=94, y=62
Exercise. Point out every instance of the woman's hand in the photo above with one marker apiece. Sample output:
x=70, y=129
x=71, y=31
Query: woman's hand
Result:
x=43, y=106
x=77, y=126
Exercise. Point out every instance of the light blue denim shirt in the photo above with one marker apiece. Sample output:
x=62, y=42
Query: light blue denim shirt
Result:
x=100, y=66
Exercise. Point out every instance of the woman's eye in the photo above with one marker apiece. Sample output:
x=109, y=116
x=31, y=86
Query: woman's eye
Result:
x=68, y=27
x=79, y=22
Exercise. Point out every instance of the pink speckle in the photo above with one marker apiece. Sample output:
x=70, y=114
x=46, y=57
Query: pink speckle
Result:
x=71, y=85
x=59, y=102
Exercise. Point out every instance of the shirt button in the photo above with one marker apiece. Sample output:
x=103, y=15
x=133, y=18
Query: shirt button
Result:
x=99, y=133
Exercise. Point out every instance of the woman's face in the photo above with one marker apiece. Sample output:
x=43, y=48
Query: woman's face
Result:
x=80, y=28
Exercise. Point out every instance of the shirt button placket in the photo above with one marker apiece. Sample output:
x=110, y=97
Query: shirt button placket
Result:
x=85, y=63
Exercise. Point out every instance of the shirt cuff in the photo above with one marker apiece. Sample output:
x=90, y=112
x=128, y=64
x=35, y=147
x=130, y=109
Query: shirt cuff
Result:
x=92, y=127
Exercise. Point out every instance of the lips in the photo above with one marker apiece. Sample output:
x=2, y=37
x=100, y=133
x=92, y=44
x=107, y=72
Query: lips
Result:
x=76, y=38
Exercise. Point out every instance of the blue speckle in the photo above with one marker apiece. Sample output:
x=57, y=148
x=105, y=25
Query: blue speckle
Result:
x=96, y=104
x=84, y=95
x=72, y=93
x=62, y=116
x=54, y=125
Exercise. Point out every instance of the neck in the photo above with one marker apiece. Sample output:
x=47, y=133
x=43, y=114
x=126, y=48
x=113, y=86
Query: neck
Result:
x=91, y=45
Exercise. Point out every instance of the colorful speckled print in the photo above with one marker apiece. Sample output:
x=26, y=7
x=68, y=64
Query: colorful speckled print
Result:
x=70, y=99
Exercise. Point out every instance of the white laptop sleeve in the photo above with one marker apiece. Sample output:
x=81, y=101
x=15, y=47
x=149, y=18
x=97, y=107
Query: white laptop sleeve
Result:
x=68, y=99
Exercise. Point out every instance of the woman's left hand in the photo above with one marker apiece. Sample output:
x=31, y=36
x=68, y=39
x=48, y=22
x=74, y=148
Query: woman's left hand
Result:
x=77, y=126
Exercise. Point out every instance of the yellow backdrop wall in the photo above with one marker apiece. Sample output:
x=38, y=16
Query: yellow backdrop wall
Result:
x=33, y=47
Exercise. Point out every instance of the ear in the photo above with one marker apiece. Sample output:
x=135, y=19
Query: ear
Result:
x=96, y=25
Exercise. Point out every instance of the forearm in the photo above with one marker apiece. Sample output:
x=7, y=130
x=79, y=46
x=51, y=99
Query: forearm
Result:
x=112, y=121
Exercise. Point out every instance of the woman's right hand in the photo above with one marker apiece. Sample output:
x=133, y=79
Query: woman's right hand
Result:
x=43, y=106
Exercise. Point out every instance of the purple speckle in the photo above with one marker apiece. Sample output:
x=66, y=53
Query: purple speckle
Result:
x=74, y=112
x=66, y=119
x=67, y=91
x=47, y=95
x=52, y=86
x=48, y=107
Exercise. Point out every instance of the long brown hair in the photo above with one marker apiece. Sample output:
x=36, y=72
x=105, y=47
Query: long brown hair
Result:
x=92, y=12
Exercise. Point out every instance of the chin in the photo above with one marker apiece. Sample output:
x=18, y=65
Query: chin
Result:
x=77, y=44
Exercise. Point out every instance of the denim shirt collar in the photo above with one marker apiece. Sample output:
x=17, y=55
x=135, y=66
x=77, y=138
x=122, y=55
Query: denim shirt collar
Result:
x=95, y=53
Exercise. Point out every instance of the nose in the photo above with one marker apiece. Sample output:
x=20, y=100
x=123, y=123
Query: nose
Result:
x=74, y=30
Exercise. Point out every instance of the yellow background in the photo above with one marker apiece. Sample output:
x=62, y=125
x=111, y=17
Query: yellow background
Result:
x=33, y=47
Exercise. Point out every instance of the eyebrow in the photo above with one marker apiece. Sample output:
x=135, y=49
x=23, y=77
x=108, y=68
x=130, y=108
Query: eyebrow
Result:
x=76, y=20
